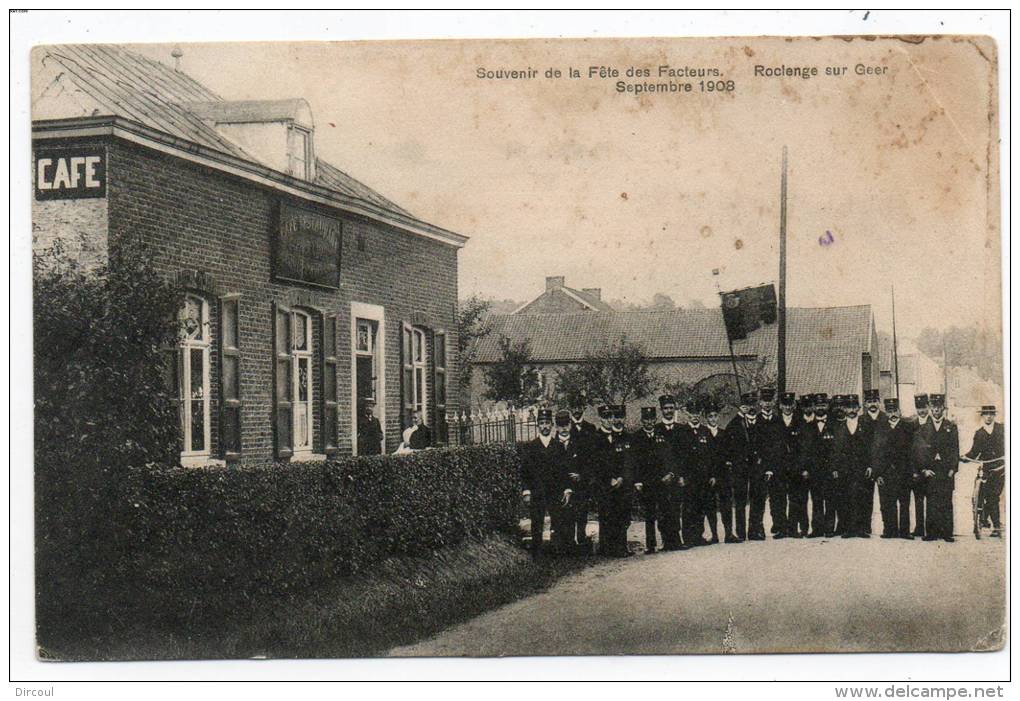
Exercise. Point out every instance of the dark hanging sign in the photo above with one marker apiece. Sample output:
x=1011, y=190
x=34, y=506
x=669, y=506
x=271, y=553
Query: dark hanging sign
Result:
x=70, y=173
x=307, y=248
x=746, y=310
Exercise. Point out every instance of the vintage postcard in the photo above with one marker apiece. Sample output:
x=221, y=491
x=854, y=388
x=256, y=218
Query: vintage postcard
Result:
x=518, y=347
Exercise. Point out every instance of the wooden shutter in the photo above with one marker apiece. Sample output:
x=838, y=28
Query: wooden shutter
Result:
x=328, y=390
x=283, y=405
x=230, y=379
x=406, y=374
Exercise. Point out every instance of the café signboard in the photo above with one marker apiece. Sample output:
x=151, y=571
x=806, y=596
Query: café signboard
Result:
x=307, y=247
x=67, y=173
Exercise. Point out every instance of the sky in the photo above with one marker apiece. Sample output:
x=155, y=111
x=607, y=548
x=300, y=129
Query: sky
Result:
x=888, y=174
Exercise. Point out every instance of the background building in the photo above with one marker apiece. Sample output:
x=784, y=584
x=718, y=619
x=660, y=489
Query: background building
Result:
x=832, y=349
x=307, y=291
x=560, y=299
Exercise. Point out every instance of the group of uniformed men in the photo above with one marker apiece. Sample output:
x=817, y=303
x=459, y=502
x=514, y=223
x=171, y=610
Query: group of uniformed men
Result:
x=686, y=470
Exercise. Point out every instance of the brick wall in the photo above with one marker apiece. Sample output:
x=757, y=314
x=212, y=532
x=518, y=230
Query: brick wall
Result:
x=78, y=226
x=218, y=229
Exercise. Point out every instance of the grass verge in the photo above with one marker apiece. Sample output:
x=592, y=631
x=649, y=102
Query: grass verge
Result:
x=401, y=601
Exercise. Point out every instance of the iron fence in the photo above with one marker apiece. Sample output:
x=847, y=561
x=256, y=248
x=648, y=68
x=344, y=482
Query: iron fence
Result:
x=484, y=427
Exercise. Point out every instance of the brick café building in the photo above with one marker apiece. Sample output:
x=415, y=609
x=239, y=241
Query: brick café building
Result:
x=306, y=291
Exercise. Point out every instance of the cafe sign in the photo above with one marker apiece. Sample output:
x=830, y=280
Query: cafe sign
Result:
x=70, y=173
x=307, y=248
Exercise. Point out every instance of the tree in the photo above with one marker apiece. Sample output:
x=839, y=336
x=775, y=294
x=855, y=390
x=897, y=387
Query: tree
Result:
x=619, y=372
x=965, y=346
x=471, y=328
x=513, y=378
x=721, y=388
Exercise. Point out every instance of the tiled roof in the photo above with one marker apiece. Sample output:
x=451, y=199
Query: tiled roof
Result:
x=824, y=345
x=133, y=87
x=575, y=297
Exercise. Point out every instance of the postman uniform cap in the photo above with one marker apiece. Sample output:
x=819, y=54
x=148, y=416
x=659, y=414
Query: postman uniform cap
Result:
x=748, y=398
x=711, y=406
x=892, y=404
x=545, y=415
x=562, y=417
x=788, y=398
x=768, y=394
x=988, y=409
x=937, y=399
x=667, y=399
x=920, y=400
x=605, y=411
x=872, y=395
x=619, y=411
x=648, y=413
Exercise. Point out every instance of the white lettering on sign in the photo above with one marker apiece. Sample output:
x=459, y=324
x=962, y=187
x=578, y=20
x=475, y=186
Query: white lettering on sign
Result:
x=70, y=173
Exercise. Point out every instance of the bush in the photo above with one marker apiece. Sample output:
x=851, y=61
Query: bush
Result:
x=212, y=539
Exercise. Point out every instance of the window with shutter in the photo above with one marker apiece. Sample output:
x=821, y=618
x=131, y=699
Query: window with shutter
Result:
x=282, y=383
x=193, y=377
x=329, y=395
x=439, y=384
x=230, y=379
x=413, y=363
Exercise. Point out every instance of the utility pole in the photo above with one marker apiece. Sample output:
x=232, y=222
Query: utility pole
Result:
x=781, y=312
x=895, y=353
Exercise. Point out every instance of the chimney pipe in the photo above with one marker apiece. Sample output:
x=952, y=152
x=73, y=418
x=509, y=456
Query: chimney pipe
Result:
x=555, y=282
x=177, y=54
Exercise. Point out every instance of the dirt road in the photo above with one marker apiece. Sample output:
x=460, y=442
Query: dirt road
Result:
x=787, y=595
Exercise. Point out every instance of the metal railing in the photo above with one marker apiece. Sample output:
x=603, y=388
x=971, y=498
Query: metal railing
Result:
x=485, y=427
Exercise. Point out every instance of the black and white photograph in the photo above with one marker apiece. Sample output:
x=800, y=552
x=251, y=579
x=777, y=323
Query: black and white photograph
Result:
x=516, y=347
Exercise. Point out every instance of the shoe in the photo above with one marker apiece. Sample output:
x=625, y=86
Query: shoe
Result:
x=757, y=536
x=929, y=538
x=949, y=539
x=714, y=541
x=995, y=534
x=907, y=536
x=863, y=535
x=917, y=534
x=887, y=535
x=731, y=539
x=797, y=535
x=845, y=535
x=779, y=535
x=830, y=534
x=814, y=534
x=650, y=551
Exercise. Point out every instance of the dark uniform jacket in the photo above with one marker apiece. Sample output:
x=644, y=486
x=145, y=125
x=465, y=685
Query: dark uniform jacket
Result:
x=673, y=435
x=742, y=448
x=370, y=436
x=770, y=444
x=872, y=425
x=989, y=446
x=816, y=447
x=610, y=459
x=891, y=451
x=852, y=452
x=717, y=456
x=581, y=435
x=651, y=458
x=543, y=470
x=938, y=449
x=697, y=464
x=789, y=447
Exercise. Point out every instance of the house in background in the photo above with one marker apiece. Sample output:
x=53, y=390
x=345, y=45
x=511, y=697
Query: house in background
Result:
x=831, y=349
x=918, y=374
x=307, y=292
x=560, y=299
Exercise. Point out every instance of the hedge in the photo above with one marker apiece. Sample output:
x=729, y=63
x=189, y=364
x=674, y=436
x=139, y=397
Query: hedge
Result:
x=274, y=528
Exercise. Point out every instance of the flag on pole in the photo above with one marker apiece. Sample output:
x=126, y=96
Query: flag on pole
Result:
x=747, y=309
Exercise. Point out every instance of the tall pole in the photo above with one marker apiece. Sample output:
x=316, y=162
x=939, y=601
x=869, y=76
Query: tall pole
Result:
x=945, y=371
x=781, y=355
x=895, y=354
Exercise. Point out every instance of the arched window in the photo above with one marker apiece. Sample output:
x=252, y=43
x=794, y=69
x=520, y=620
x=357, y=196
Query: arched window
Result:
x=193, y=374
x=301, y=382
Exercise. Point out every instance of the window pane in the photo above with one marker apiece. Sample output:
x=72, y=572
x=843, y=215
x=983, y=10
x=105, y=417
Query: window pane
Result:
x=197, y=425
x=363, y=337
x=191, y=316
x=419, y=387
x=197, y=373
x=302, y=380
x=302, y=436
x=300, y=332
x=419, y=346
